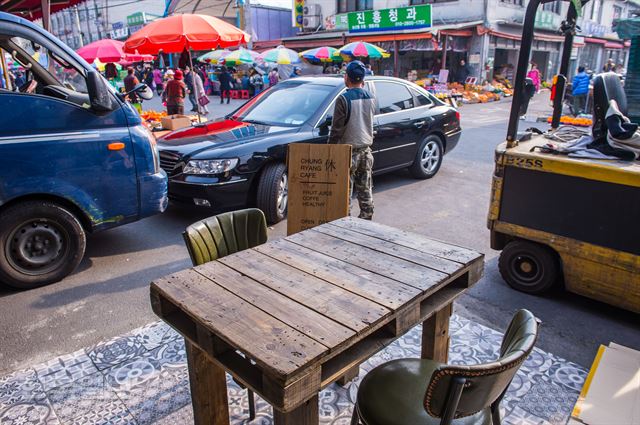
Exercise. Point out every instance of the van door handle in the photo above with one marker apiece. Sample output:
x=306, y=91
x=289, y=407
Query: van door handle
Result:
x=115, y=146
x=419, y=124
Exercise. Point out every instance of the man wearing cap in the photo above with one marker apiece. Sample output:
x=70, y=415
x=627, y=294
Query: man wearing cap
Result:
x=353, y=124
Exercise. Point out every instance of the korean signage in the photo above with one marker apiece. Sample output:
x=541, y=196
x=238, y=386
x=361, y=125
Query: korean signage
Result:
x=137, y=18
x=390, y=19
x=337, y=22
x=297, y=13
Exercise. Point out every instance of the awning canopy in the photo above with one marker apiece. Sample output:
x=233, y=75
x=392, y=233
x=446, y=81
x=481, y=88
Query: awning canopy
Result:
x=32, y=9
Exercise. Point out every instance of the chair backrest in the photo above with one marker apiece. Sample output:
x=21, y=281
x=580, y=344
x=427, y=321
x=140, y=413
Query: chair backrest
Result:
x=224, y=234
x=485, y=383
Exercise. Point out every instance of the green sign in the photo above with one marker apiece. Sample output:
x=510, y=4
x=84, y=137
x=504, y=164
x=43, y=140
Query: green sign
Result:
x=136, y=19
x=390, y=19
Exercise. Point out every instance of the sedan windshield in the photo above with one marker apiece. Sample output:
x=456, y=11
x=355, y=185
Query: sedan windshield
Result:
x=291, y=104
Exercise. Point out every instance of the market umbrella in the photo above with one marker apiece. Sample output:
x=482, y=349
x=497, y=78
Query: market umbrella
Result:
x=106, y=50
x=178, y=33
x=361, y=49
x=322, y=54
x=239, y=57
x=214, y=56
x=281, y=55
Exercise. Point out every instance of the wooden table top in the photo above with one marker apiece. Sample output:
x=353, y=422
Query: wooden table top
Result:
x=293, y=303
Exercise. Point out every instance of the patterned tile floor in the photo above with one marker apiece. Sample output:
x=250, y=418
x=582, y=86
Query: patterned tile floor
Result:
x=141, y=378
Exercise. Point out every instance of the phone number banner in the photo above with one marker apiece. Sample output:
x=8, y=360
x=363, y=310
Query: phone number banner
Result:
x=391, y=19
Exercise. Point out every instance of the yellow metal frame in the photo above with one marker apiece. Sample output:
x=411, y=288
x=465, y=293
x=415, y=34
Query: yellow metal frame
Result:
x=596, y=272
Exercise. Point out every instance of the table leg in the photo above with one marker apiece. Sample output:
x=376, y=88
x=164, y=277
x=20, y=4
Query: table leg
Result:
x=349, y=376
x=208, y=388
x=305, y=414
x=435, y=335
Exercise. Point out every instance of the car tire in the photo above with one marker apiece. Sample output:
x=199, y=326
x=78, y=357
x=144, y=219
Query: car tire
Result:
x=40, y=243
x=428, y=158
x=272, y=192
x=529, y=267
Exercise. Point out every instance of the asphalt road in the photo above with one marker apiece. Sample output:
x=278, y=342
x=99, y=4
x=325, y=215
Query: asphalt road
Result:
x=108, y=294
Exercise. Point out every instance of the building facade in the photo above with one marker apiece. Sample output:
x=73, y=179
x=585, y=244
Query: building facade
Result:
x=484, y=33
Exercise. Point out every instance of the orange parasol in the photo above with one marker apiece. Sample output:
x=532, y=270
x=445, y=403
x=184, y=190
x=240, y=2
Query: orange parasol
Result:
x=177, y=33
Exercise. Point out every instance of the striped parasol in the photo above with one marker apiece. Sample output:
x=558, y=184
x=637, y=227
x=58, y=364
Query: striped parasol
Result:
x=361, y=49
x=214, y=56
x=281, y=55
x=321, y=54
x=240, y=57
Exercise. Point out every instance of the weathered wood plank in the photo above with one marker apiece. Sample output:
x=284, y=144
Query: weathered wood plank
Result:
x=435, y=335
x=419, y=277
x=351, y=310
x=409, y=239
x=279, y=349
x=419, y=257
x=387, y=292
x=315, y=325
x=306, y=414
x=208, y=388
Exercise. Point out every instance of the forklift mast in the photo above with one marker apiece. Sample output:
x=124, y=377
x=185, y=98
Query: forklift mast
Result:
x=568, y=29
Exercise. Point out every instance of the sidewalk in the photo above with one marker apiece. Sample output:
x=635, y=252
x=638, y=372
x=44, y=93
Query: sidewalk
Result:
x=141, y=378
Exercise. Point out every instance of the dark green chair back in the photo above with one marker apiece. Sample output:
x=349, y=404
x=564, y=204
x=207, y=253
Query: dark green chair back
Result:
x=459, y=391
x=224, y=234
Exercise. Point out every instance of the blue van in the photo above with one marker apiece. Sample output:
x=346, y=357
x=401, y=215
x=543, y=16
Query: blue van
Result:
x=74, y=158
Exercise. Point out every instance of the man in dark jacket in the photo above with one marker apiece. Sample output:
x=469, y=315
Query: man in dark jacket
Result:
x=463, y=72
x=188, y=80
x=353, y=124
x=225, y=84
x=580, y=90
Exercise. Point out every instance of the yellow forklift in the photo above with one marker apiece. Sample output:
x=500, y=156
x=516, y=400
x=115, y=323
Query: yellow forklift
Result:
x=561, y=220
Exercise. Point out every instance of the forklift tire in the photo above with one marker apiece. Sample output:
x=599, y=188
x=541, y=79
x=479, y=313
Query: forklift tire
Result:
x=529, y=267
x=40, y=243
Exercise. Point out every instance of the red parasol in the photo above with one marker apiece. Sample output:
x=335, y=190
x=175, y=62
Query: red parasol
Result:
x=177, y=33
x=108, y=50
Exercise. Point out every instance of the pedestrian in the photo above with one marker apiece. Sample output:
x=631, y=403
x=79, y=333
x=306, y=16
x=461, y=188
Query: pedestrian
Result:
x=368, y=71
x=188, y=81
x=273, y=77
x=353, y=124
x=343, y=69
x=148, y=78
x=256, y=82
x=463, y=72
x=535, y=76
x=110, y=71
x=610, y=66
x=580, y=90
x=245, y=82
x=158, y=80
x=130, y=83
x=20, y=80
x=225, y=84
x=296, y=72
x=200, y=94
x=174, y=92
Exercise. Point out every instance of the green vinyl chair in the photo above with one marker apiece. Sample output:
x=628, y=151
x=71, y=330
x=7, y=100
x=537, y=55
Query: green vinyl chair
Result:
x=425, y=392
x=224, y=234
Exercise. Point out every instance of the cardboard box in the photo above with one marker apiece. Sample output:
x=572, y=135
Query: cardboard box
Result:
x=174, y=122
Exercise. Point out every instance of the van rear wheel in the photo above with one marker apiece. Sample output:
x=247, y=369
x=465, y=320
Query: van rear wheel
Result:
x=41, y=243
x=529, y=267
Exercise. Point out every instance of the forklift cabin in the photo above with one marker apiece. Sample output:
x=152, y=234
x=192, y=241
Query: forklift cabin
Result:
x=560, y=220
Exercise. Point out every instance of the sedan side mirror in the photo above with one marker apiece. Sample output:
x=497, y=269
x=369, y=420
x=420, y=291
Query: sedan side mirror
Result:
x=99, y=95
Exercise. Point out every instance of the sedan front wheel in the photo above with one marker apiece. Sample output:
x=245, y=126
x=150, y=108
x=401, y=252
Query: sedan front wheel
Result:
x=273, y=192
x=428, y=158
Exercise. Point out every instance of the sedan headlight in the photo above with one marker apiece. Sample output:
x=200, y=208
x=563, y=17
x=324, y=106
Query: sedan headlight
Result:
x=210, y=166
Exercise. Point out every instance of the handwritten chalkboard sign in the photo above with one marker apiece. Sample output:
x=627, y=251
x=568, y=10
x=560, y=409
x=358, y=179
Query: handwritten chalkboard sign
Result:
x=318, y=184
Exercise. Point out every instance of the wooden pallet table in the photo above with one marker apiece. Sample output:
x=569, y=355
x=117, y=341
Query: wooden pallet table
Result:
x=294, y=315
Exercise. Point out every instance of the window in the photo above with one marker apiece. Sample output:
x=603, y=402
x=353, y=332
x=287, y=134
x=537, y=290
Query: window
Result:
x=422, y=99
x=552, y=7
x=354, y=5
x=617, y=12
x=415, y=2
x=392, y=97
x=516, y=2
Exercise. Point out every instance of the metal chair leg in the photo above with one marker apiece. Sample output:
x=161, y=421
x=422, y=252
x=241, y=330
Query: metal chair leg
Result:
x=252, y=405
x=355, y=419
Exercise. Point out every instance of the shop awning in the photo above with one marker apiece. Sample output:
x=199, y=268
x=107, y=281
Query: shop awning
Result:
x=536, y=36
x=314, y=42
x=613, y=45
x=32, y=9
x=390, y=37
x=458, y=33
x=594, y=40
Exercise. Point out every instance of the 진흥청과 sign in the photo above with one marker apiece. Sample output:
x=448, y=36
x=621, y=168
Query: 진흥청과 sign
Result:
x=391, y=19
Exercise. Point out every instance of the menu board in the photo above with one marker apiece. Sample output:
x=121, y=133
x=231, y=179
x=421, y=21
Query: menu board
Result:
x=318, y=184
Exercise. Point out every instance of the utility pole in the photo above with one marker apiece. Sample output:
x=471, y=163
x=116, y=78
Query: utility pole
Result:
x=98, y=21
x=77, y=22
x=86, y=20
x=247, y=22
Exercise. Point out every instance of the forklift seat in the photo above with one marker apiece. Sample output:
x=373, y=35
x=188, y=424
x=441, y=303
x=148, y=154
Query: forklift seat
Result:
x=606, y=86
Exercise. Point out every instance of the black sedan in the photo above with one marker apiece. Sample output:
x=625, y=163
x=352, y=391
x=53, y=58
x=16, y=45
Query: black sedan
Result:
x=239, y=160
